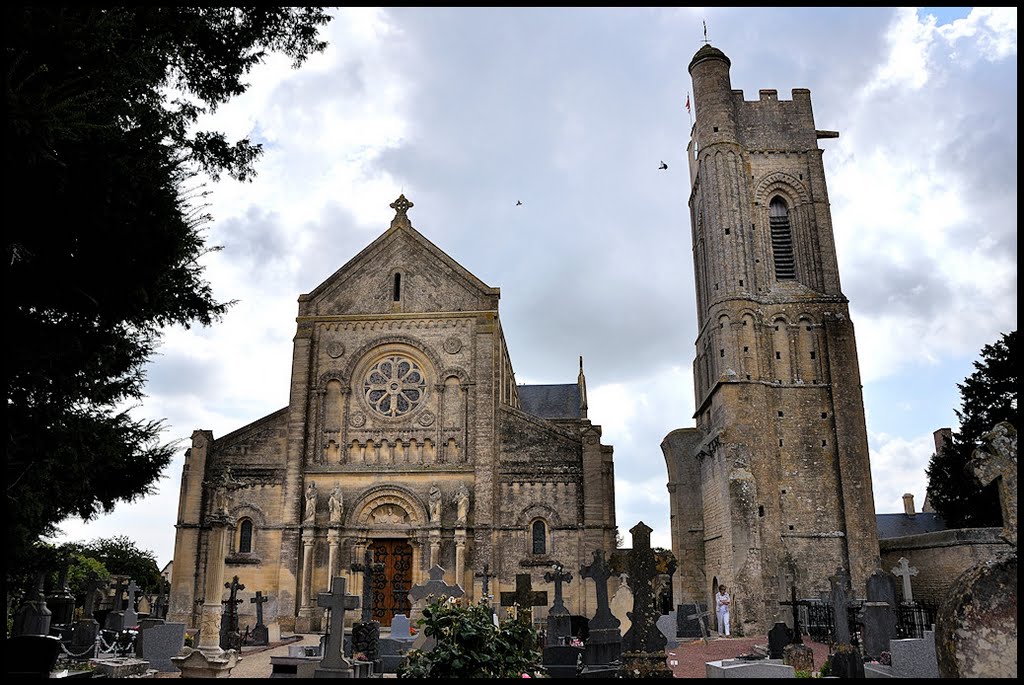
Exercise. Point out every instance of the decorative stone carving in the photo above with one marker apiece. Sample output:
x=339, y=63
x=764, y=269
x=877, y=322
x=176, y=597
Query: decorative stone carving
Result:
x=461, y=502
x=336, y=504
x=426, y=418
x=357, y=419
x=435, y=504
x=452, y=344
x=311, y=497
x=389, y=515
x=335, y=350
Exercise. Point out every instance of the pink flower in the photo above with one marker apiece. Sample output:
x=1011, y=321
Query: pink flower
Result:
x=527, y=675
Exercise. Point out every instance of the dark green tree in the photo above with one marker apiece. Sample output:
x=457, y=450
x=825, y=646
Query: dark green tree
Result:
x=103, y=230
x=988, y=396
x=122, y=557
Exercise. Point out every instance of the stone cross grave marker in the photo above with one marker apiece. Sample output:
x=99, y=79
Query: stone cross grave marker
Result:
x=559, y=623
x=999, y=462
x=795, y=604
x=905, y=571
x=524, y=596
x=369, y=569
x=878, y=613
x=336, y=602
x=260, y=633
x=230, y=637
x=597, y=570
x=486, y=575
x=435, y=586
x=643, y=634
x=701, y=617
x=840, y=603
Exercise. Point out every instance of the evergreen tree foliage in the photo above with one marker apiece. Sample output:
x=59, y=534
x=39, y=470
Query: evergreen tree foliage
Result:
x=103, y=230
x=988, y=396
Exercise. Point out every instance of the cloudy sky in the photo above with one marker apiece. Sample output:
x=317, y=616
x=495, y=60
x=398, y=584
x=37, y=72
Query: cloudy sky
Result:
x=467, y=111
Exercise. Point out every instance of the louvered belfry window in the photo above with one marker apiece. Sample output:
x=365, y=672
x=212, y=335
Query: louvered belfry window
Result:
x=782, y=240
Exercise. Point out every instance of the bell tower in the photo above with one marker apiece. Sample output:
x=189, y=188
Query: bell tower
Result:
x=780, y=454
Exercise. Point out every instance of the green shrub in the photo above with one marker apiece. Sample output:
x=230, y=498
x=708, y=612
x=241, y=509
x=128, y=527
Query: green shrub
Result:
x=470, y=645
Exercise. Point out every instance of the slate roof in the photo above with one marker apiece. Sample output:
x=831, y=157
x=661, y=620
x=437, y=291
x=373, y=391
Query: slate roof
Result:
x=898, y=525
x=550, y=401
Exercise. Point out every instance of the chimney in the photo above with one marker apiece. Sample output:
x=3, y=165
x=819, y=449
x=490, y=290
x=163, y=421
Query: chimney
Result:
x=941, y=436
x=908, y=505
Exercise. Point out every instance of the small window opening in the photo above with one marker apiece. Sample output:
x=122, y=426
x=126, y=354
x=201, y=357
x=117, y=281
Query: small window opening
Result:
x=780, y=414
x=783, y=491
x=540, y=542
x=824, y=443
x=398, y=288
x=741, y=282
x=760, y=510
x=746, y=348
x=780, y=445
x=782, y=240
x=716, y=129
x=245, y=537
x=721, y=353
x=813, y=355
x=727, y=232
x=824, y=414
x=778, y=355
x=791, y=527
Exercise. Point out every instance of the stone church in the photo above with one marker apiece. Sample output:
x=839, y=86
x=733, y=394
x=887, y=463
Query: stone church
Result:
x=773, y=485
x=405, y=434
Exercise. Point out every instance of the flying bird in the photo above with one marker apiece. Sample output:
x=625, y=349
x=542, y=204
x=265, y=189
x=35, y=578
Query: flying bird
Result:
x=663, y=166
x=518, y=202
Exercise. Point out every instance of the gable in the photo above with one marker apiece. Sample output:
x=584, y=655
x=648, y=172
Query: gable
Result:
x=431, y=281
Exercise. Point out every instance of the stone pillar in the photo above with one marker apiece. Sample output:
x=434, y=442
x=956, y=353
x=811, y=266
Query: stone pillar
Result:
x=303, y=624
x=460, y=557
x=333, y=538
x=435, y=547
x=209, y=660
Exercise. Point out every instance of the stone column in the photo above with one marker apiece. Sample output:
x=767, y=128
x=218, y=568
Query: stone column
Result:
x=460, y=556
x=435, y=547
x=303, y=623
x=209, y=660
x=333, y=539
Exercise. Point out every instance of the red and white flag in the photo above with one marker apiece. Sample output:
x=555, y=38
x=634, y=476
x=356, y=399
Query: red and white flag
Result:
x=687, y=102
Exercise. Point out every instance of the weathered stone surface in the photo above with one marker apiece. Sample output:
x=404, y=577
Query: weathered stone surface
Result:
x=976, y=628
x=915, y=657
x=157, y=644
x=799, y=656
x=739, y=668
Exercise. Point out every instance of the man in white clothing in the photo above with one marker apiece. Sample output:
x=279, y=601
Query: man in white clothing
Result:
x=722, y=601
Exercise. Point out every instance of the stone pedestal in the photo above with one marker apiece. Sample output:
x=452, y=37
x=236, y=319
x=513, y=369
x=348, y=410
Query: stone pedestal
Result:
x=799, y=656
x=193, y=663
x=604, y=646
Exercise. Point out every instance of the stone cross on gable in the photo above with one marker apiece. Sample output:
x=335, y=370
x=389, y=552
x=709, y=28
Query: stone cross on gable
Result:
x=369, y=569
x=905, y=570
x=337, y=602
x=401, y=207
x=558, y=576
x=599, y=572
x=840, y=603
x=259, y=600
x=999, y=462
x=524, y=596
x=486, y=575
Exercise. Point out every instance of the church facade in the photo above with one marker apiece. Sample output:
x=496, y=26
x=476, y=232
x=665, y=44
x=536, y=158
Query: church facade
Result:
x=406, y=435
x=773, y=486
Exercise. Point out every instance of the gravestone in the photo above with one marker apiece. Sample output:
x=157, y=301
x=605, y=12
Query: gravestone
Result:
x=667, y=624
x=260, y=633
x=524, y=596
x=230, y=635
x=158, y=642
x=976, y=626
x=123, y=616
x=334, y=664
x=778, y=637
x=486, y=576
x=643, y=645
x=61, y=602
x=366, y=631
x=30, y=656
x=915, y=657
x=622, y=603
x=395, y=647
x=878, y=613
x=743, y=668
x=796, y=653
x=434, y=587
x=33, y=618
x=692, y=619
x=604, y=642
x=560, y=659
x=845, y=661
x=904, y=570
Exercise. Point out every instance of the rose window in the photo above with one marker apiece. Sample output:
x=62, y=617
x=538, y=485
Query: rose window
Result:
x=394, y=386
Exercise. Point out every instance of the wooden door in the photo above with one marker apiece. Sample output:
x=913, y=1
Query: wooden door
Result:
x=391, y=588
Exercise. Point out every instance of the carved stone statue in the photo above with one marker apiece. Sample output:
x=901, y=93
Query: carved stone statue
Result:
x=337, y=504
x=435, y=504
x=461, y=502
x=310, y=513
x=222, y=487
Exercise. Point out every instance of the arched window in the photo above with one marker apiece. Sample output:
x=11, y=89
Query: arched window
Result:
x=397, y=293
x=245, y=536
x=540, y=537
x=782, y=240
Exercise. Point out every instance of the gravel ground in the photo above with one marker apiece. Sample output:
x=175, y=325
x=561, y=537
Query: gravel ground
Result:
x=691, y=656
